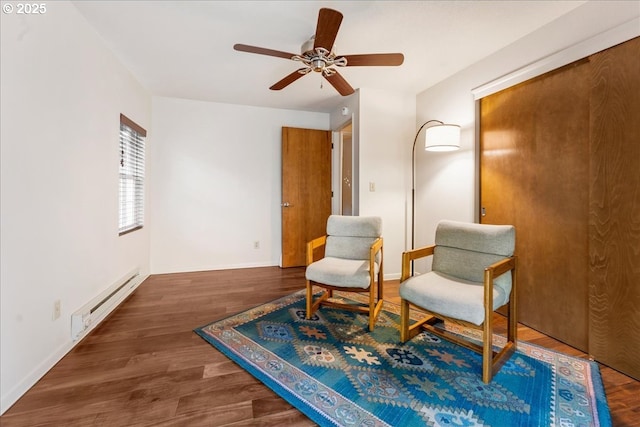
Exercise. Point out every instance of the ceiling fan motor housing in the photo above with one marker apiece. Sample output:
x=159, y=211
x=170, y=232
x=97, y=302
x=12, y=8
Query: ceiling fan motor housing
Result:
x=318, y=64
x=307, y=47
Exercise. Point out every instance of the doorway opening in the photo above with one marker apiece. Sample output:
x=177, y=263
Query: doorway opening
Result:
x=346, y=170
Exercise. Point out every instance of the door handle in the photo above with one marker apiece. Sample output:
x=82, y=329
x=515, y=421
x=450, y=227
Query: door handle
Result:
x=285, y=205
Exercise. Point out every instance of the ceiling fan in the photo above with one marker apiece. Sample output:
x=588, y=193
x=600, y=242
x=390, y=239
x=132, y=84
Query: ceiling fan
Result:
x=318, y=55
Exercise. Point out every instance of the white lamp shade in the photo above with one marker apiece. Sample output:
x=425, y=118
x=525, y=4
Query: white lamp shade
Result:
x=442, y=138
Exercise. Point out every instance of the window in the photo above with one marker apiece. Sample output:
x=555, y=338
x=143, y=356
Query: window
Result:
x=131, y=198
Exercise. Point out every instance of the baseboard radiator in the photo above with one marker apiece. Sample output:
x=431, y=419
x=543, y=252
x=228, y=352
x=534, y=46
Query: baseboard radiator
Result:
x=98, y=308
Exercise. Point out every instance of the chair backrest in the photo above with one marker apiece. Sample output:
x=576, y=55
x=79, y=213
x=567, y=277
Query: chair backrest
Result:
x=464, y=250
x=351, y=237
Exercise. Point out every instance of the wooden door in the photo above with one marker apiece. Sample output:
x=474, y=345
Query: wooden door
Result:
x=534, y=166
x=306, y=190
x=614, y=208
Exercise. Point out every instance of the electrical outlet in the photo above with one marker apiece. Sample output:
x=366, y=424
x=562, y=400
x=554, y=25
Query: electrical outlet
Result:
x=256, y=244
x=56, y=309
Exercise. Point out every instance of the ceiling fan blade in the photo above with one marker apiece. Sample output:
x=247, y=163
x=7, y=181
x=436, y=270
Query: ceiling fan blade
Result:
x=338, y=82
x=381, y=59
x=288, y=79
x=262, y=51
x=329, y=21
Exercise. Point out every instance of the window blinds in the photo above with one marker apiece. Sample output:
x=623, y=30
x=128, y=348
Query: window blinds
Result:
x=131, y=199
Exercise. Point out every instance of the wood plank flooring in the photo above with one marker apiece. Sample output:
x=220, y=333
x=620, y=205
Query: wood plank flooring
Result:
x=144, y=366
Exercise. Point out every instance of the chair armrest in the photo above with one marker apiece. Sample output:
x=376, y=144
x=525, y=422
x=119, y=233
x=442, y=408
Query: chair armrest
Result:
x=499, y=268
x=375, y=248
x=409, y=256
x=490, y=273
x=314, y=244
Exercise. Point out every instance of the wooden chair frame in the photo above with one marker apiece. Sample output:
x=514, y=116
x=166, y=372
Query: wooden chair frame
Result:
x=491, y=361
x=375, y=289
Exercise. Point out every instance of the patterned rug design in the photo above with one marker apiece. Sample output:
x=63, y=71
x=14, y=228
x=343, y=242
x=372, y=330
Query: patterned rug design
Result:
x=337, y=373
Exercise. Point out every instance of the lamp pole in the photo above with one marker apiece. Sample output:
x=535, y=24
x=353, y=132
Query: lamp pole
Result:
x=413, y=184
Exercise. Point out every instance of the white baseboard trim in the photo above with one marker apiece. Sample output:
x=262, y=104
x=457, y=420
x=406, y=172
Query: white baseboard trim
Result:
x=214, y=268
x=392, y=276
x=11, y=397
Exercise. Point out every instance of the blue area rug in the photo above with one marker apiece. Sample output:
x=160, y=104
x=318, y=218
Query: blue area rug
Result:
x=337, y=373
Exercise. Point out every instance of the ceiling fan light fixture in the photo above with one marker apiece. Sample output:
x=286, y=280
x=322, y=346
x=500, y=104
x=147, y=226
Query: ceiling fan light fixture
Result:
x=318, y=64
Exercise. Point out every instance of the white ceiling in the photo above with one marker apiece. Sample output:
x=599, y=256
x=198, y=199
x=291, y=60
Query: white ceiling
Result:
x=184, y=49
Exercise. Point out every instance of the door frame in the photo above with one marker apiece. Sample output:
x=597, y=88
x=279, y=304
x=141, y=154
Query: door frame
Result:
x=338, y=177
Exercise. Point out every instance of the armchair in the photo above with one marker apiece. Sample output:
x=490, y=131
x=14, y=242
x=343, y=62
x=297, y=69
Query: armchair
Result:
x=466, y=284
x=352, y=262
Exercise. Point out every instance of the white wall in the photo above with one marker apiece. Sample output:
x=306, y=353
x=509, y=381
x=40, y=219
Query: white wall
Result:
x=446, y=182
x=386, y=135
x=62, y=93
x=216, y=187
x=382, y=136
x=338, y=121
x=216, y=183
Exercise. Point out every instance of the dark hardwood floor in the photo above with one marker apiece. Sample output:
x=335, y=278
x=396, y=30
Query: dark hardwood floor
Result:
x=144, y=366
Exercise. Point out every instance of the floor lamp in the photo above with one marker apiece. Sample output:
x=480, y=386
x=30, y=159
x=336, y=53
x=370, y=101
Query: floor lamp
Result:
x=438, y=137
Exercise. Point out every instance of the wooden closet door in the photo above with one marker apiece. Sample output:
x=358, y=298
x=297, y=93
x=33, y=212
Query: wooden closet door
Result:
x=534, y=174
x=614, y=208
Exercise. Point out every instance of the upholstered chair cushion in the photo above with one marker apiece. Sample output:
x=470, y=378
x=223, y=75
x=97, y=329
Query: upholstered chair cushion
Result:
x=454, y=287
x=350, y=237
x=355, y=226
x=464, y=250
x=346, y=258
x=342, y=272
x=452, y=297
